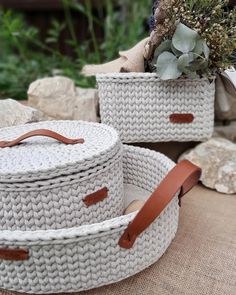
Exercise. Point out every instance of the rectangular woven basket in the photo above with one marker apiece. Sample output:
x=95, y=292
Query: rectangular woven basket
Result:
x=145, y=109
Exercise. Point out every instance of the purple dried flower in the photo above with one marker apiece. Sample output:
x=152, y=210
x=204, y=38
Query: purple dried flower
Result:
x=151, y=21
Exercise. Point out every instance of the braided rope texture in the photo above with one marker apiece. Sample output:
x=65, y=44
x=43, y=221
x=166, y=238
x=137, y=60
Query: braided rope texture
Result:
x=85, y=257
x=138, y=105
x=41, y=158
x=57, y=202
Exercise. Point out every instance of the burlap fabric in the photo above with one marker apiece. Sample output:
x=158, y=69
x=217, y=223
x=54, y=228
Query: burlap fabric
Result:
x=200, y=261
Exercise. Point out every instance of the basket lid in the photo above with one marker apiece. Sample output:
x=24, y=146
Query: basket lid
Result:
x=40, y=158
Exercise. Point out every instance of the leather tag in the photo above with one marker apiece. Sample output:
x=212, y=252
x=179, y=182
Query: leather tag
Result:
x=96, y=197
x=14, y=254
x=181, y=118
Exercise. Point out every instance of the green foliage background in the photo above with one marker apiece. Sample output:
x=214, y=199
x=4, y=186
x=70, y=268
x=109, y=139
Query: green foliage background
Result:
x=24, y=58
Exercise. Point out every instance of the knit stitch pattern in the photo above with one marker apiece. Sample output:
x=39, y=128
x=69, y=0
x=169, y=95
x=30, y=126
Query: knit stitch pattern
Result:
x=65, y=176
x=88, y=256
x=139, y=106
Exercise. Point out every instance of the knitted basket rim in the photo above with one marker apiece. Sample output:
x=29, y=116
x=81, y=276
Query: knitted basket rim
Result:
x=135, y=75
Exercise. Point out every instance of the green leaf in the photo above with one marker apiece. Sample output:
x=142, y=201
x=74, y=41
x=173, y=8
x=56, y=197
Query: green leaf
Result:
x=198, y=49
x=185, y=60
x=191, y=75
x=198, y=64
x=175, y=51
x=167, y=66
x=184, y=38
x=165, y=46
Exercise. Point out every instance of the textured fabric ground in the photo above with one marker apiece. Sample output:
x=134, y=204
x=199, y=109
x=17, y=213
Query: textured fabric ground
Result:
x=200, y=261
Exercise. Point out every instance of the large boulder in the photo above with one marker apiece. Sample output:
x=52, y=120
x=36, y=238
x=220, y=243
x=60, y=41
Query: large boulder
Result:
x=60, y=99
x=217, y=158
x=14, y=113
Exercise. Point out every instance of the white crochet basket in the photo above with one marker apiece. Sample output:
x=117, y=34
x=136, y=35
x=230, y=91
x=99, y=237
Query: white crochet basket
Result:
x=89, y=256
x=46, y=184
x=145, y=109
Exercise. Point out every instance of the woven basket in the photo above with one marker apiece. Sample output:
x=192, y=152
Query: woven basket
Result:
x=145, y=109
x=45, y=184
x=89, y=256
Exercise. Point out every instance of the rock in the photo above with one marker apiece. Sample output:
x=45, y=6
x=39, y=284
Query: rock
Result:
x=14, y=113
x=228, y=132
x=86, y=105
x=217, y=158
x=225, y=103
x=60, y=99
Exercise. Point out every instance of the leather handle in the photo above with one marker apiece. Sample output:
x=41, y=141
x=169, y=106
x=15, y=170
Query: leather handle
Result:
x=182, y=177
x=40, y=132
x=14, y=254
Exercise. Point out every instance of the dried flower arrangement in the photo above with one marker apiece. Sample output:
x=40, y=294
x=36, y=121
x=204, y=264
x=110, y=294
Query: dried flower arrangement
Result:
x=191, y=37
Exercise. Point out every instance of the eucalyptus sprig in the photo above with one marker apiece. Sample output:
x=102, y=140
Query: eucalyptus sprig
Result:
x=185, y=54
x=213, y=20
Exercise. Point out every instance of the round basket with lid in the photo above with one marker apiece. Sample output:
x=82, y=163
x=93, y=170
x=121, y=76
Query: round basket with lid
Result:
x=47, y=184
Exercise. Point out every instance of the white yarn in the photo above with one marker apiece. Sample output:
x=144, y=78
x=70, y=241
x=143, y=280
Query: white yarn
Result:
x=56, y=201
x=45, y=158
x=138, y=105
x=85, y=257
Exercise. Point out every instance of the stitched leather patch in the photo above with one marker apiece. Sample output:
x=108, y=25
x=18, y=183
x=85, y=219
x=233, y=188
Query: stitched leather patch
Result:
x=96, y=197
x=181, y=118
x=14, y=254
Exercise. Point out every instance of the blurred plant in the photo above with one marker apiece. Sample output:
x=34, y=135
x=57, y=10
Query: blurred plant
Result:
x=25, y=58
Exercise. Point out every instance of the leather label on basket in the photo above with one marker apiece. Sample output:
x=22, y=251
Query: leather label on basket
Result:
x=181, y=118
x=96, y=197
x=14, y=254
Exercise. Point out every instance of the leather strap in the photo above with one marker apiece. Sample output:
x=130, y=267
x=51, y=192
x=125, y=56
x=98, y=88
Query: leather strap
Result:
x=14, y=254
x=96, y=197
x=182, y=177
x=40, y=132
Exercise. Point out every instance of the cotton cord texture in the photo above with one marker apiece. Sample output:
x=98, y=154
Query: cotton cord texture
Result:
x=200, y=259
x=88, y=256
x=139, y=106
x=66, y=175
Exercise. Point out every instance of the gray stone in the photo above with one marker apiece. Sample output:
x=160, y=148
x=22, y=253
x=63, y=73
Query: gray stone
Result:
x=14, y=113
x=60, y=99
x=225, y=104
x=217, y=158
x=228, y=132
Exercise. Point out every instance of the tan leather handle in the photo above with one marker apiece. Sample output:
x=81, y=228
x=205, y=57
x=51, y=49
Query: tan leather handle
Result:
x=40, y=132
x=182, y=177
x=14, y=254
